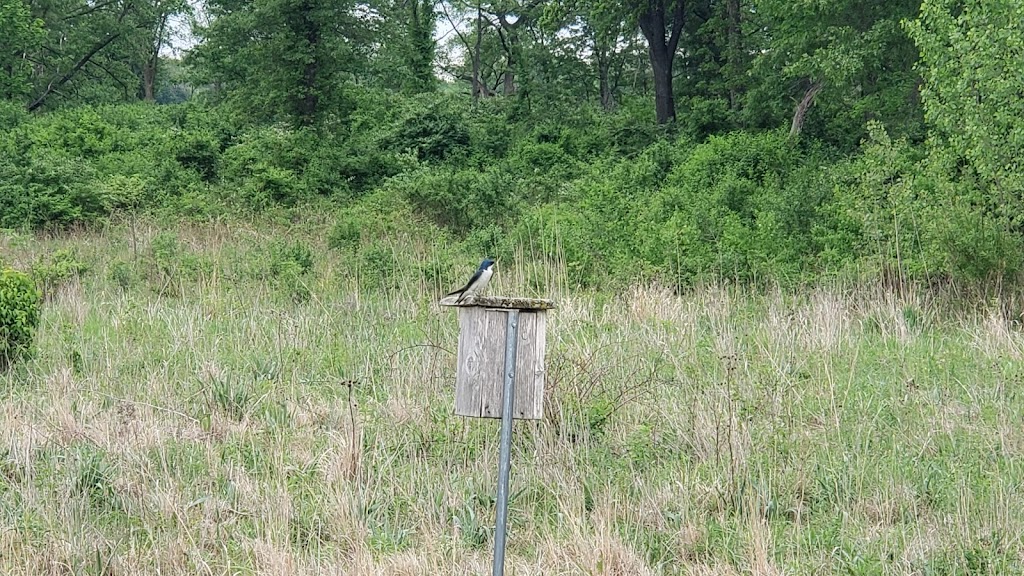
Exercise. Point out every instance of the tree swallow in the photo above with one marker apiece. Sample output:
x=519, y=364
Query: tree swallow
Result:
x=476, y=284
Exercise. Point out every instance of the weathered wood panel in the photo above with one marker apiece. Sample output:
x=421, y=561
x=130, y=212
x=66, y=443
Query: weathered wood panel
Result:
x=481, y=361
x=529, y=402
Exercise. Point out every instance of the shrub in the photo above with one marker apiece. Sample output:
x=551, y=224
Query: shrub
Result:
x=20, y=308
x=264, y=170
x=457, y=199
x=738, y=207
x=123, y=274
x=435, y=130
x=48, y=188
x=346, y=233
x=891, y=209
x=286, y=256
x=169, y=264
x=57, y=269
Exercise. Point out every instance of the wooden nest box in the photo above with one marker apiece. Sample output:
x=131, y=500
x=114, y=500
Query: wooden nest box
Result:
x=483, y=328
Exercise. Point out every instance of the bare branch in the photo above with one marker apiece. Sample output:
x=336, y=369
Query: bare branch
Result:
x=54, y=85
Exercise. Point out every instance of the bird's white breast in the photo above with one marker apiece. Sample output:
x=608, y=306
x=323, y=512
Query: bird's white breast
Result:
x=481, y=282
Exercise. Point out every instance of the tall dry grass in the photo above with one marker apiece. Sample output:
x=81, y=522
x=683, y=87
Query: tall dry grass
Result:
x=224, y=427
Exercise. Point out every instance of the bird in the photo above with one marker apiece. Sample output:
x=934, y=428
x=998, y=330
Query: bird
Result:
x=477, y=283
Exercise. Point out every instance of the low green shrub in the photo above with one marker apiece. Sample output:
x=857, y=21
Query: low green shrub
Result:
x=893, y=211
x=434, y=127
x=48, y=188
x=265, y=169
x=734, y=208
x=459, y=200
x=20, y=309
x=57, y=269
x=286, y=255
x=290, y=265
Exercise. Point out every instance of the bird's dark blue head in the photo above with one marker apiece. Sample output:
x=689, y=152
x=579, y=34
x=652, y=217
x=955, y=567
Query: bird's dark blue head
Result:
x=487, y=263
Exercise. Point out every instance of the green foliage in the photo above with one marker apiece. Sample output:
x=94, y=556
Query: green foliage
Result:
x=434, y=128
x=198, y=151
x=856, y=52
x=282, y=60
x=284, y=255
x=972, y=97
x=264, y=169
x=169, y=265
x=22, y=35
x=94, y=478
x=735, y=208
x=231, y=395
x=457, y=199
x=290, y=264
x=20, y=309
x=11, y=114
x=48, y=188
x=903, y=217
x=57, y=269
x=123, y=274
x=346, y=234
x=79, y=165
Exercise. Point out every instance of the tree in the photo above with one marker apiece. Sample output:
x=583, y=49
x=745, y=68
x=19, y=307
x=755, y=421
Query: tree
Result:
x=850, y=59
x=74, y=51
x=971, y=53
x=284, y=59
x=597, y=34
x=23, y=36
x=152, y=21
x=80, y=40
x=419, y=45
x=662, y=22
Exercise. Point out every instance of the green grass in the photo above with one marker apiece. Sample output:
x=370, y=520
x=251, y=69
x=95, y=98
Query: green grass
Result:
x=198, y=404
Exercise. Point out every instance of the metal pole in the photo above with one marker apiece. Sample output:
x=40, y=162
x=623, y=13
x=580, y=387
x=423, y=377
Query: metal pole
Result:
x=505, y=454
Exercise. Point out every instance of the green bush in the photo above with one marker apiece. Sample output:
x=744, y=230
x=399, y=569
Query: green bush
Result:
x=48, y=188
x=11, y=114
x=459, y=200
x=170, y=265
x=741, y=206
x=57, y=269
x=20, y=308
x=290, y=256
x=197, y=151
x=434, y=128
x=892, y=211
x=346, y=234
x=265, y=168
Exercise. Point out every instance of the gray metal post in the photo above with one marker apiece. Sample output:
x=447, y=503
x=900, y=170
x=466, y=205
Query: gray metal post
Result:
x=505, y=454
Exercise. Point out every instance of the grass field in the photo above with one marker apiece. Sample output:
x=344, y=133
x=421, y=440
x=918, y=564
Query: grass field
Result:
x=213, y=401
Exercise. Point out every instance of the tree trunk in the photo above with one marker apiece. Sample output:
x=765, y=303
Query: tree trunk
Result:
x=664, y=100
x=153, y=60
x=508, y=83
x=604, y=80
x=662, y=51
x=478, y=85
x=310, y=97
x=736, y=54
x=149, y=81
x=801, y=109
x=510, y=43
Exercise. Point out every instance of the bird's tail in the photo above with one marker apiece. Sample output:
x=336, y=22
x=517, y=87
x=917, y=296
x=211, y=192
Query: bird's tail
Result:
x=450, y=299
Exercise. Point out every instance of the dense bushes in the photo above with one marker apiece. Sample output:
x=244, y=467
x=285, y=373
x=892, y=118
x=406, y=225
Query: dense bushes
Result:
x=612, y=199
x=893, y=209
x=20, y=304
